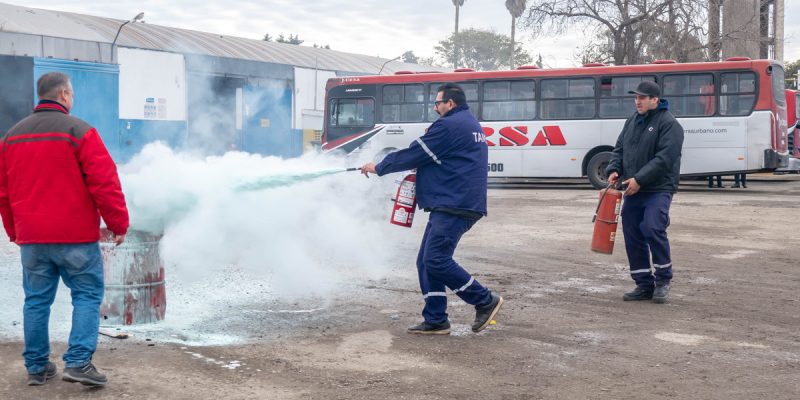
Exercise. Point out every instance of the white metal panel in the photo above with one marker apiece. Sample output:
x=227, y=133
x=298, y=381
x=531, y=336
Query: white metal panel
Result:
x=309, y=97
x=152, y=85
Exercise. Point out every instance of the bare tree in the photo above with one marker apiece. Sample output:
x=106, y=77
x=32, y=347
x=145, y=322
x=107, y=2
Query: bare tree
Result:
x=515, y=8
x=622, y=19
x=635, y=31
x=457, y=4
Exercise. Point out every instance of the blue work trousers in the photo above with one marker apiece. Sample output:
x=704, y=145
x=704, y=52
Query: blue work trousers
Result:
x=80, y=265
x=645, y=218
x=438, y=270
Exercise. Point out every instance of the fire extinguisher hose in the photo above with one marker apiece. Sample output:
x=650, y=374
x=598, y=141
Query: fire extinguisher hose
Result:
x=600, y=202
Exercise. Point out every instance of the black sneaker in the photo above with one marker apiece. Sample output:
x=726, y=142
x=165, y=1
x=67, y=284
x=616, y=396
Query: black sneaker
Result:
x=639, y=293
x=486, y=313
x=85, y=375
x=661, y=293
x=39, y=379
x=427, y=328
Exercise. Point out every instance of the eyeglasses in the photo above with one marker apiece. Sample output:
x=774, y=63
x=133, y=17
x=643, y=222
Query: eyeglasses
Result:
x=436, y=102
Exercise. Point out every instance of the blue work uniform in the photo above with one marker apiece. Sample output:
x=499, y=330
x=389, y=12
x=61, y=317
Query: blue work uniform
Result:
x=649, y=149
x=451, y=160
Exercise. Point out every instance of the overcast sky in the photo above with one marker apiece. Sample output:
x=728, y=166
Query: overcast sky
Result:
x=375, y=27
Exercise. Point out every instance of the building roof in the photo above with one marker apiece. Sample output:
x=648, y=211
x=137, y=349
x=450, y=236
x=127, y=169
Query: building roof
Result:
x=35, y=21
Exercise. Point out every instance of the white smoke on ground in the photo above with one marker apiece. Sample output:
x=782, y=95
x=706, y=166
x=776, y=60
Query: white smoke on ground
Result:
x=305, y=239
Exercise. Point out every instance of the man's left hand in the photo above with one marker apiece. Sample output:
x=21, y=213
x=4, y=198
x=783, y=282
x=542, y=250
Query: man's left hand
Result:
x=367, y=168
x=633, y=187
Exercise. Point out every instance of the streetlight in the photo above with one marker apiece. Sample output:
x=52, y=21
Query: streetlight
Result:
x=138, y=17
x=388, y=61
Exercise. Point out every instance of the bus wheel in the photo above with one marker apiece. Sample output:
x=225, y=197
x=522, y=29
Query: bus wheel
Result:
x=383, y=153
x=596, y=169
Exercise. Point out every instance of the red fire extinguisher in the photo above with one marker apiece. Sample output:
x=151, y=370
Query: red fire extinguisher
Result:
x=405, y=202
x=605, y=220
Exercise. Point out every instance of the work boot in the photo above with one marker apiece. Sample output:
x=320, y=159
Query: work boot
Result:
x=428, y=328
x=85, y=375
x=486, y=313
x=639, y=293
x=661, y=293
x=40, y=378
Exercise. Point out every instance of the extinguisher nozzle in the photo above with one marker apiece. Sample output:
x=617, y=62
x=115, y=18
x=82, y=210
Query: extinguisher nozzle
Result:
x=352, y=169
x=594, y=218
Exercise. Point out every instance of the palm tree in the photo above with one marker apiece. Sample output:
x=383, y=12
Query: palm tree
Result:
x=458, y=4
x=516, y=8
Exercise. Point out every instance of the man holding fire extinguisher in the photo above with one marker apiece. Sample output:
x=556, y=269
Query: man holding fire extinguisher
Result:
x=451, y=160
x=647, y=157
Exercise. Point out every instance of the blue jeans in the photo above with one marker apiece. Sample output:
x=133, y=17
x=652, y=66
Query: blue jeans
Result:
x=438, y=270
x=80, y=265
x=645, y=218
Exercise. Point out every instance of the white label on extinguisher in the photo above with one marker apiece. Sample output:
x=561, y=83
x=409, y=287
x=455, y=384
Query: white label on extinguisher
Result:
x=406, y=195
x=400, y=216
x=613, y=236
x=616, y=209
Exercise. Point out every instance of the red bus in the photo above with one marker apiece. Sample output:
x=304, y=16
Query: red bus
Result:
x=793, y=111
x=550, y=123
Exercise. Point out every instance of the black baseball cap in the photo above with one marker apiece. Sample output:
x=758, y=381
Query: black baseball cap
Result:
x=647, y=88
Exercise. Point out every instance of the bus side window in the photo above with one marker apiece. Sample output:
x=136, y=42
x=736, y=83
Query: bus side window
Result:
x=403, y=103
x=690, y=94
x=508, y=100
x=572, y=98
x=737, y=93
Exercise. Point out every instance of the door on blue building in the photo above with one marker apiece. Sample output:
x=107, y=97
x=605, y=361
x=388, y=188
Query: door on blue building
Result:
x=216, y=117
x=96, y=89
x=268, y=119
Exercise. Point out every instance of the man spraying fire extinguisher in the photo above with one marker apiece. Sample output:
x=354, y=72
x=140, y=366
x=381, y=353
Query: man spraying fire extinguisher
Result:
x=647, y=157
x=451, y=160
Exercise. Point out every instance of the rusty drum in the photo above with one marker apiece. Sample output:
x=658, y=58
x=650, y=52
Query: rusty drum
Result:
x=134, y=280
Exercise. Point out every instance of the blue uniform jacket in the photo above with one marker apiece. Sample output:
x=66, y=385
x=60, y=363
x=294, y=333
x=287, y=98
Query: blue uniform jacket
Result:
x=451, y=159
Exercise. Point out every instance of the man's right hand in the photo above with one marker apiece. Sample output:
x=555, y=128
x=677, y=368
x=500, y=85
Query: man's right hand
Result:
x=368, y=168
x=612, y=179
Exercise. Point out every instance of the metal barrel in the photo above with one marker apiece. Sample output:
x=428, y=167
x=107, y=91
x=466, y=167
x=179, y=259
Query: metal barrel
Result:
x=134, y=280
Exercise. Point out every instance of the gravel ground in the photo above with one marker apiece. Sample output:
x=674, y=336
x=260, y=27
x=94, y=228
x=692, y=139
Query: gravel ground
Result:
x=730, y=331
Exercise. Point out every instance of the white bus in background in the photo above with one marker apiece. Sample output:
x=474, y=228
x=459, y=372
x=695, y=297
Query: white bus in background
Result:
x=557, y=123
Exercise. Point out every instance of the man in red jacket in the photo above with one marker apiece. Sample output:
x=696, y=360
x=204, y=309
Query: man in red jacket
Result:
x=56, y=181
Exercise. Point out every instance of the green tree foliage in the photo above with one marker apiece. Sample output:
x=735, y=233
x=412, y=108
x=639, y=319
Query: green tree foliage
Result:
x=792, y=69
x=481, y=50
x=409, y=57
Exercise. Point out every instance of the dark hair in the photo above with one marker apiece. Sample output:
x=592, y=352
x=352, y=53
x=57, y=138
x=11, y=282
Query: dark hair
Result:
x=49, y=84
x=451, y=91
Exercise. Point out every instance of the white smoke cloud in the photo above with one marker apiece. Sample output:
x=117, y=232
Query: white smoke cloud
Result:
x=305, y=238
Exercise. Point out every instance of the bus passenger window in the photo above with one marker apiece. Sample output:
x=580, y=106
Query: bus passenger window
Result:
x=690, y=94
x=403, y=103
x=737, y=93
x=568, y=98
x=508, y=100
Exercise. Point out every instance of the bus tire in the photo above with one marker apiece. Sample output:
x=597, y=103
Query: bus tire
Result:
x=596, y=169
x=382, y=154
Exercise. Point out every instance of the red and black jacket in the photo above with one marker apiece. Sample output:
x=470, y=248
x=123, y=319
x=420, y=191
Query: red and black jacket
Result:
x=57, y=179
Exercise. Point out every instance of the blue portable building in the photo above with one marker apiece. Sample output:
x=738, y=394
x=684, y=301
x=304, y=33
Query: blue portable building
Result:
x=96, y=87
